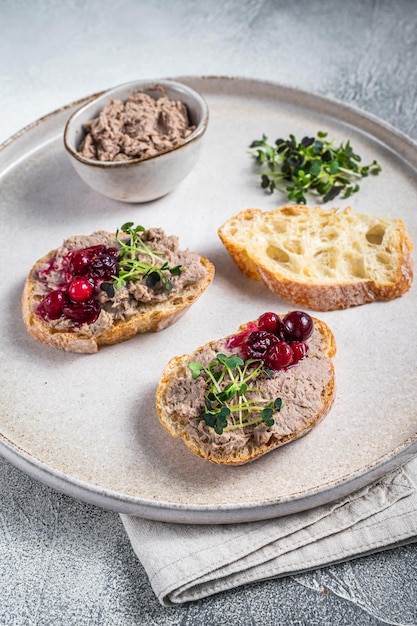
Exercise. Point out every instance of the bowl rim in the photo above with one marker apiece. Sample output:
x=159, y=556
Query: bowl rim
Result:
x=197, y=133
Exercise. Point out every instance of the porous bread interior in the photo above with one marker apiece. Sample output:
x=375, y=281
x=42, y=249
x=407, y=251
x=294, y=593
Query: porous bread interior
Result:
x=314, y=244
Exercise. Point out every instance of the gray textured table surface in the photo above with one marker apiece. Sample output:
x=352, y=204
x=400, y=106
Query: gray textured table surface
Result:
x=65, y=562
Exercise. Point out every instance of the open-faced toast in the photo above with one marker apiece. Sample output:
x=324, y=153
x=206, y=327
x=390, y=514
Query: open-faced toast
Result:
x=268, y=408
x=120, y=303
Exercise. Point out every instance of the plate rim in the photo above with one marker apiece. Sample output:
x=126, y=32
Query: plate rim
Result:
x=203, y=514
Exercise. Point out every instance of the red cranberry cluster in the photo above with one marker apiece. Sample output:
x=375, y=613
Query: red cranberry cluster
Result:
x=279, y=343
x=84, y=271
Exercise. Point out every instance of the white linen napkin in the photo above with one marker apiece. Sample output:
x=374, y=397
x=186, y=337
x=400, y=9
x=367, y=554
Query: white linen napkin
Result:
x=186, y=562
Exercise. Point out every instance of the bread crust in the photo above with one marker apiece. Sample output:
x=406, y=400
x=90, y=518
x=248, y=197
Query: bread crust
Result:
x=149, y=317
x=248, y=235
x=176, y=368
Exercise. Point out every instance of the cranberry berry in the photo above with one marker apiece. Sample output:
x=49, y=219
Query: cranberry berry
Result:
x=104, y=267
x=258, y=342
x=79, y=262
x=83, y=312
x=80, y=290
x=52, y=304
x=297, y=326
x=299, y=350
x=279, y=356
x=271, y=322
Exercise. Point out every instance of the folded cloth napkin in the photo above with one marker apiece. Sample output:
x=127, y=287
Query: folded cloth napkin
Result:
x=186, y=562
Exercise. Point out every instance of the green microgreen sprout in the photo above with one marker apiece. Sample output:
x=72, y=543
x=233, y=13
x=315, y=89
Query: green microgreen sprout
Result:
x=313, y=164
x=133, y=267
x=228, y=404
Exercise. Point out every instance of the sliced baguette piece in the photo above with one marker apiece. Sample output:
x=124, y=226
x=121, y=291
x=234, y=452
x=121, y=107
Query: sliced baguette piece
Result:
x=322, y=259
x=151, y=317
x=307, y=390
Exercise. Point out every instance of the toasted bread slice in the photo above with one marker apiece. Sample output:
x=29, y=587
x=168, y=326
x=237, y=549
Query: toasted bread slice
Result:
x=322, y=259
x=148, y=316
x=307, y=390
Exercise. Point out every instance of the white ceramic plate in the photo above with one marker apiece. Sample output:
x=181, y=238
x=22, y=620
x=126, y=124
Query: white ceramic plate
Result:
x=87, y=425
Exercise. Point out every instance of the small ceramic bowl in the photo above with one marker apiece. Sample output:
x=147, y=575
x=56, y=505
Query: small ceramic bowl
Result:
x=138, y=180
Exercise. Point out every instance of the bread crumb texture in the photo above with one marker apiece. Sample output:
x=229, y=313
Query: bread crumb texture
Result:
x=308, y=248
